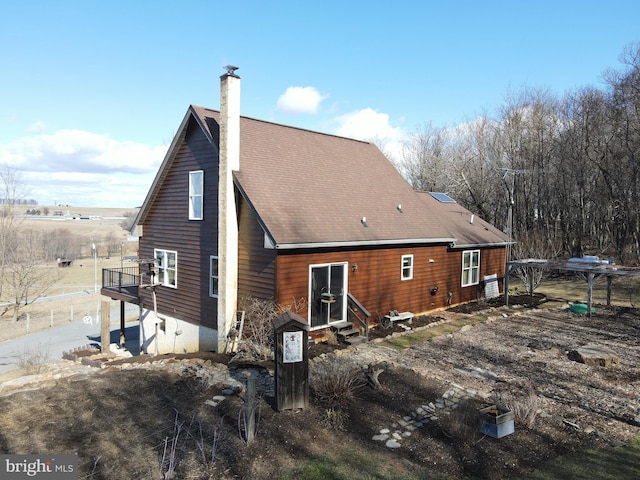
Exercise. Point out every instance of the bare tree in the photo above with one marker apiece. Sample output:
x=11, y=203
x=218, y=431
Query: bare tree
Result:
x=476, y=180
x=26, y=277
x=624, y=157
x=129, y=219
x=564, y=170
x=533, y=245
x=61, y=243
x=426, y=160
x=11, y=194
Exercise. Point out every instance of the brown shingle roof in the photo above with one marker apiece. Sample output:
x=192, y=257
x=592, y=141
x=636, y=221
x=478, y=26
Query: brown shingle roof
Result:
x=311, y=188
x=468, y=229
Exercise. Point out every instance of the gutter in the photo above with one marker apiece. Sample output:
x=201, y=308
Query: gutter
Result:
x=402, y=241
x=476, y=245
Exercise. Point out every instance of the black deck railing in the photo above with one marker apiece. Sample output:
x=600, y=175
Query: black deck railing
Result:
x=121, y=280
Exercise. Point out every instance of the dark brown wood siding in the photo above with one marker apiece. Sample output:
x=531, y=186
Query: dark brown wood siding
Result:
x=168, y=227
x=377, y=282
x=256, y=264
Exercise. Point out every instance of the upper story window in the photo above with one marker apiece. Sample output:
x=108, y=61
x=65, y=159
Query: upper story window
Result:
x=470, y=267
x=196, y=188
x=213, y=276
x=167, y=261
x=407, y=267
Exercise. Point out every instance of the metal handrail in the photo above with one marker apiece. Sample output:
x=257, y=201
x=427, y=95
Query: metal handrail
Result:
x=120, y=278
x=353, y=307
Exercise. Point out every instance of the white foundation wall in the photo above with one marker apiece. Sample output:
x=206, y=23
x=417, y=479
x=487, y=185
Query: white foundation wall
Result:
x=173, y=335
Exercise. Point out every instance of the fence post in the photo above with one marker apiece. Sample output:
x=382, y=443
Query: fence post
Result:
x=28, y=319
x=51, y=323
x=71, y=314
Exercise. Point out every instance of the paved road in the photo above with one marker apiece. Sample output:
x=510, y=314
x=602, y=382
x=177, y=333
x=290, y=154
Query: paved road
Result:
x=50, y=344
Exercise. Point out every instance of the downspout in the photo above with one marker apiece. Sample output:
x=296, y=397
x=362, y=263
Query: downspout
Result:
x=227, y=211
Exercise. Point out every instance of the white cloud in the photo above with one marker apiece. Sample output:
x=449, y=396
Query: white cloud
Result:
x=81, y=168
x=37, y=127
x=367, y=124
x=300, y=100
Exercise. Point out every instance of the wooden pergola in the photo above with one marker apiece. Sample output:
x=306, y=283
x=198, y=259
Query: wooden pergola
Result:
x=590, y=271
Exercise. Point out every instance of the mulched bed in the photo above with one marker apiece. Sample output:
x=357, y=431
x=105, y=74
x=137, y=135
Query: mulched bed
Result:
x=376, y=332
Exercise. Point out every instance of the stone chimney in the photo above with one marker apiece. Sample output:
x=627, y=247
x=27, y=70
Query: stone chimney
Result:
x=227, y=216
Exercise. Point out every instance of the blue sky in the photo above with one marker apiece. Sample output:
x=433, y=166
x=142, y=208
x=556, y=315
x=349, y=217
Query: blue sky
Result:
x=91, y=92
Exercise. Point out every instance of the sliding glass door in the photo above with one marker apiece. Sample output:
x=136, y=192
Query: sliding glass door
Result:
x=327, y=289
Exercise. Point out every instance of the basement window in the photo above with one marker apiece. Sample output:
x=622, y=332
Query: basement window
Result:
x=213, y=276
x=196, y=187
x=470, y=267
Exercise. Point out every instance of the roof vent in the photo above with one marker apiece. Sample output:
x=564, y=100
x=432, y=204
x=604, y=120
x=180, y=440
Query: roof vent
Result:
x=399, y=207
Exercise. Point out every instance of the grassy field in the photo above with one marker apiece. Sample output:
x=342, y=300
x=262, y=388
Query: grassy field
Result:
x=83, y=275
x=625, y=291
x=79, y=278
x=103, y=222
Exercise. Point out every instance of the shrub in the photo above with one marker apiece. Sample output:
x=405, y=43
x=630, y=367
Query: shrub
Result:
x=331, y=337
x=461, y=423
x=334, y=381
x=33, y=360
x=256, y=342
x=525, y=404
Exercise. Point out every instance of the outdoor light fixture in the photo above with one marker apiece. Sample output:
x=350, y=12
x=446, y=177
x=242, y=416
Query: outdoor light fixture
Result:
x=354, y=267
x=399, y=207
x=364, y=221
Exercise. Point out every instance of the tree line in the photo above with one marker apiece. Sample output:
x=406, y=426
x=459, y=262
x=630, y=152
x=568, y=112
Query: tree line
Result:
x=18, y=201
x=560, y=174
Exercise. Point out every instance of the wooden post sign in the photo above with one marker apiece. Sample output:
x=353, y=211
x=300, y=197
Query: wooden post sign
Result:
x=292, y=361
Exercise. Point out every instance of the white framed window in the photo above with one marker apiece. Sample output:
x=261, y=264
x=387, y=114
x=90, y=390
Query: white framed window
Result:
x=213, y=276
x=167, y=261
x=196, y=187
x=407, y=267
x=470, y=267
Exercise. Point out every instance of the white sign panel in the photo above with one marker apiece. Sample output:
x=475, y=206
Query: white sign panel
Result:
x=292, y=351
x=491, y=286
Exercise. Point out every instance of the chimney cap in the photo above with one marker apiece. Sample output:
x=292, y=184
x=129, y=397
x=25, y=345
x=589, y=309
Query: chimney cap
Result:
x=231, y=70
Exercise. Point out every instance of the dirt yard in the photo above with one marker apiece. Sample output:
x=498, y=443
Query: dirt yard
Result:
x=120, y=420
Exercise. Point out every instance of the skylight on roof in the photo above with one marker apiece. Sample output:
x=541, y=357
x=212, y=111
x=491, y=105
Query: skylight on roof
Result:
x=442, y=197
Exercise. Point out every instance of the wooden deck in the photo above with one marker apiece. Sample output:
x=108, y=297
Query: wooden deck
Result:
x=121, y=284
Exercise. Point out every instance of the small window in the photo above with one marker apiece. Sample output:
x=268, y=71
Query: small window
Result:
x=167, y=262
x=213, y=276
x=470, y=267
x=407, y=267
x=196, y=182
